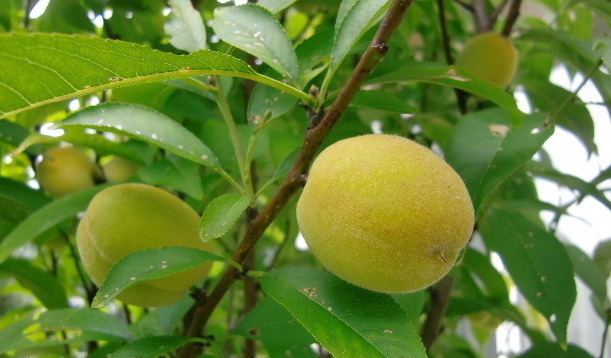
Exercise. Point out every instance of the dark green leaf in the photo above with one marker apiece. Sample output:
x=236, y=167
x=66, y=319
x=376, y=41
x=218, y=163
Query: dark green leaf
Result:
x=382, y=100
x=500, y=150
x=588, y=271
x=254, y=29
x=144, y=124
x=537, y=262
x=174, y=172
x=147, y=265
x=84, y=319
x=281, y=334
x=275, y=6
x=455, y=77
x=552, y=349
x=345, y=319
x=46, y=218
x=46, y=287
x=150, y=347
x=43, y=68
x=221, y=214
x=12, y=133
x=185, y=26
x=67, y=16
x=492, y=283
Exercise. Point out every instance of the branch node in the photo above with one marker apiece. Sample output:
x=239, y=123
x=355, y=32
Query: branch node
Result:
x=382, y=47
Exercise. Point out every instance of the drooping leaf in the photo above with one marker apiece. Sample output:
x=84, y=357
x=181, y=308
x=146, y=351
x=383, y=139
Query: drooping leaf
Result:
x=12, y=133
x=144, y=124
x=552, y=349
x=150, y=347
x=345, y=319
x=174, y=172
x=537, y=262
x=43, y=285
x=500, y=150
x=46, y=218
x=147, y=265
x=185, y=26
x=221, y=214
x=281, y=334
x=254, y=30
x=455, y=77
x=43, y=68
x=602, y=257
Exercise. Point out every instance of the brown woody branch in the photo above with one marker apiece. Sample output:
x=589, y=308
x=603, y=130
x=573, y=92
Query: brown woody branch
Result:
x=512, y=17
x=438, y=303
x=293, y=181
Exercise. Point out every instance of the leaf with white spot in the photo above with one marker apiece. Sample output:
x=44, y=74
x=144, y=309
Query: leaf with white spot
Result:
x=145, y=265
x=347, y=320
x=221, y=214
x=145, y=124
x=254, y=29
x=537, y=262
x=36, y=69
x=186, y=27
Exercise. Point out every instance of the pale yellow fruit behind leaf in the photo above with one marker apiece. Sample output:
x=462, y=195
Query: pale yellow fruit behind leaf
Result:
x=385, y=213
x=490, y=57
x=120, y=169
x=130, y=217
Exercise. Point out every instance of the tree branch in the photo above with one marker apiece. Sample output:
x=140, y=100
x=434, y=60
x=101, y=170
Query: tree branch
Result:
x=439, y=299
x=512, y=17
x=293, y=181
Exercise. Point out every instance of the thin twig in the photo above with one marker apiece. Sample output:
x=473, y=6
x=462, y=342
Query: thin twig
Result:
x=313, y=139
x=461, y=96
x=512, y=17
x=605, y=332
x=481, y=15
x=495, y=15
x=439, y=299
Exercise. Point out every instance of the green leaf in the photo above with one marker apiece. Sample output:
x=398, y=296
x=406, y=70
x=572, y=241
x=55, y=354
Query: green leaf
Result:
x=575, y=117
x=499, y=152
x=221, y=214
x=456, y=77
x=12, y=133
x=545, y=170
x=86, y=320
x=145, y=124
x=46, y=218
x=43, y=68
x=254, y=30
x=588, y=271
x=354, y=18
x=68, y=16
x=133, y=150
x=345, y=319
x=186, y=27
x=34, y=199
x=537, y=262
x=145, y=265
x=552, y=349
x=174, y=172
x=150, y=347
x=492, y=283
x=281, y=334
x=90, y=323
x=602, y=46
x=275, y=6
x=43, y=285
x=382, y=100
x=602, y=257
x=412, y=303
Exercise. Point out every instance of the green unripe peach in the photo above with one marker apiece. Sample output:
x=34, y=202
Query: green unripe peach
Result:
x=130, y=217
x=385, y=213
x=64, y=171
x=119, y=169
x=490, y=57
